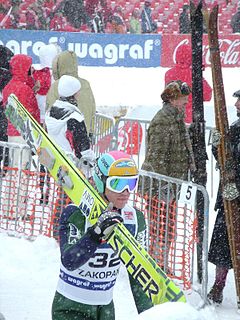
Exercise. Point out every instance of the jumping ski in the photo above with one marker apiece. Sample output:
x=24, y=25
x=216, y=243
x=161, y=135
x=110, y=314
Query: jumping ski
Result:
x=154, y=282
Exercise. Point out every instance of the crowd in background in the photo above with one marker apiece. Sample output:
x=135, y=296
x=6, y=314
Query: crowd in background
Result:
x=75, y=16
x=104, y=16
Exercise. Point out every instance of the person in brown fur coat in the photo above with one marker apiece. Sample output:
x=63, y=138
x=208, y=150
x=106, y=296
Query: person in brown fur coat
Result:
x=169, y=152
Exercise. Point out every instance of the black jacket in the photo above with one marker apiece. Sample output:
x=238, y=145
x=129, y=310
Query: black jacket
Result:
x=219, y=251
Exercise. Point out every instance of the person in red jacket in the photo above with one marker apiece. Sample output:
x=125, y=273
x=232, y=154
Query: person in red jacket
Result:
x=183, y=71
x=20, y=66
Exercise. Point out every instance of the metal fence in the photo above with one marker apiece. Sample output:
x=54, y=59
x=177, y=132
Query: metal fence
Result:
x=170, y=208
x=130, y=135
x=104, y=134
x=29, y=197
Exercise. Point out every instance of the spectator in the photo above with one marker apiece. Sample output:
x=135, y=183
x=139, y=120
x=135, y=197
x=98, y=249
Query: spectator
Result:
x=20, y=65
x=97, y=24
x=148, y=26
x=235, y=21
x=66, y=63
x=100, y=12
x=5, y=76
x=183, y=71
x=219, y=250
x=118, y=22
x=85, y=253
x=169, y=152
x=75, y=13
x=65, y=123
x=135, y=24
x=185, y=20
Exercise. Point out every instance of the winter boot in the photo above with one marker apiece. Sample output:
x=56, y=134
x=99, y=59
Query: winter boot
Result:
x=215, y=295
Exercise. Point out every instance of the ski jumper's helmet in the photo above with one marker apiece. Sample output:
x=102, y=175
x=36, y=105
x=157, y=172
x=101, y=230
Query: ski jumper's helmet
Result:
x=116, y=170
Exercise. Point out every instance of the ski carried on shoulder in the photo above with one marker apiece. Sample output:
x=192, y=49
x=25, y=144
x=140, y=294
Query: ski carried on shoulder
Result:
x=154, y=282
x=230, y=194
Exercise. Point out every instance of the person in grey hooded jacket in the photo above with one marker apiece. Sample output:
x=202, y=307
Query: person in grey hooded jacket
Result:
x=66, y=63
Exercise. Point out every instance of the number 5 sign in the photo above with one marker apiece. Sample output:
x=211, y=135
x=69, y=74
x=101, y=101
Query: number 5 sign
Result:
x=188, y=193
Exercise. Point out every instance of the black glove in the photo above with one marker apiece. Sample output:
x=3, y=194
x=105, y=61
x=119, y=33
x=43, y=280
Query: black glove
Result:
x=106, y=223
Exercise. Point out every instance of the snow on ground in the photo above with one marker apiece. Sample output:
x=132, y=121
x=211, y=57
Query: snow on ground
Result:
x=29, y=273
x=29, y=270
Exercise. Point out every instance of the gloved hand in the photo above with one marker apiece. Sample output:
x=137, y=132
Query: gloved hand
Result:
x=216, y=138
x=87, y=162
x=106, y=223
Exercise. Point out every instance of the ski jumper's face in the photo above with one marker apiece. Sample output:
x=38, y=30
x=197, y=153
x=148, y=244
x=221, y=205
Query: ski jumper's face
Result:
x=119, y=200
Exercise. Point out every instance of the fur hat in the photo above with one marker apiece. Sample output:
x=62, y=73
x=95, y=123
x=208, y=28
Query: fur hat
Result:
x=68, y=86
x=175, y=90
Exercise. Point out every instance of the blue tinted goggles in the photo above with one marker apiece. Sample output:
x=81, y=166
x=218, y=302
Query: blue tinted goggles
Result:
x=119, y=184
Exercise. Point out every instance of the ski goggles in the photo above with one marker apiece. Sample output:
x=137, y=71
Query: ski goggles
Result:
x=119, y=184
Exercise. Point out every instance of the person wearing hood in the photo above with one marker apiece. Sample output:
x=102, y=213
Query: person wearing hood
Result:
x=20, y=66
x=183, y=71
x=5, y=76
x=219, y=251
x=66, y=63
x=66, y=126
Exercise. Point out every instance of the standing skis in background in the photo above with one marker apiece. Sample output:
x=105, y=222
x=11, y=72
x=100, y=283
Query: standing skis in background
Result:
x=225, y=155
x=201, y=90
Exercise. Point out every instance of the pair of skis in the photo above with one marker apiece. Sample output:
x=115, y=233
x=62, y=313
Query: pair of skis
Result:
x=154, y=282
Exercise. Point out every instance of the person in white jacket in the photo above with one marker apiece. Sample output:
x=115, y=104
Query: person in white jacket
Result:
x=66, y=125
